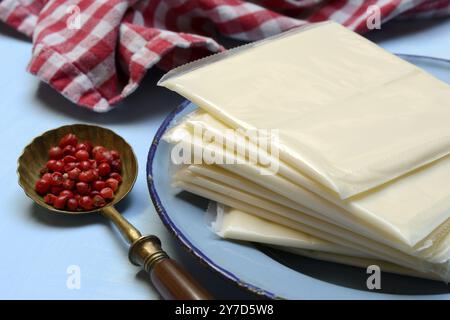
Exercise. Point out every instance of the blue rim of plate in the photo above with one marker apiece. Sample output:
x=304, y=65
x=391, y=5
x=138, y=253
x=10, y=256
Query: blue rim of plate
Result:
x=165, y=218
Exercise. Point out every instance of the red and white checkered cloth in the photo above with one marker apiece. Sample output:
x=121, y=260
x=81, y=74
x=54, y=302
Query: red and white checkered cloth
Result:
x=96, y=52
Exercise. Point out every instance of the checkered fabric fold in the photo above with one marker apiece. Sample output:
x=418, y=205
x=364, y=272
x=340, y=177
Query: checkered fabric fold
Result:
x=96, y=52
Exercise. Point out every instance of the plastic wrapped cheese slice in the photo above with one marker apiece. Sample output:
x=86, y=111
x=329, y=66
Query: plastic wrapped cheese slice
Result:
x=437, y=252
x=314, y=228
x=230, y=223
x=349, y=114
x=216, y=180
x=186, y=180
x=228, y=196
x=403, y=212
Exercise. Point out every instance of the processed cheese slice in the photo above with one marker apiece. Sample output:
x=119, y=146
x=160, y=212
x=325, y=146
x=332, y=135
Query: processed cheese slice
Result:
x=434, y=248
x=350, y=115
x=309, y=226
x=230, y=223
x=358, y=241
x=406, y=210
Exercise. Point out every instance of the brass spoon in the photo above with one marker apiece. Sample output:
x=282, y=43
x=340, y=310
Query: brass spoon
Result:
x=167, y=276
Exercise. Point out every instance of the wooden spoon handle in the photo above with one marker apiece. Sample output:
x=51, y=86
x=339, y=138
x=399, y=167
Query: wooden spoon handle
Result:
x=168, y=277
x=174, y=283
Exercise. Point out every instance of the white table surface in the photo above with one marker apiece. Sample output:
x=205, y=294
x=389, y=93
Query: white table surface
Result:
x=37, y=247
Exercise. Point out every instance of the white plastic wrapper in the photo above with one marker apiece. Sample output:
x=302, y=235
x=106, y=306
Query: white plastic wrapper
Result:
x=213, y=182
x=237, y=198
x=408, y=214
x=350, y=115
x=230, y=223
x=242, y=201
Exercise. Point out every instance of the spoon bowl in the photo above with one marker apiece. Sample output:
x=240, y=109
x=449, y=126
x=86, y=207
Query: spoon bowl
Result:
x=35, y=156
x=170, y=279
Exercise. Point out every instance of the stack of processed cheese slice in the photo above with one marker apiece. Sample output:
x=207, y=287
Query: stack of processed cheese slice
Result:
x=362, y=164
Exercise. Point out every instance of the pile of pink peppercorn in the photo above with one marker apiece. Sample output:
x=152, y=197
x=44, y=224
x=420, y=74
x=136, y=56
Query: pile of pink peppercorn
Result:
x=79, y=176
